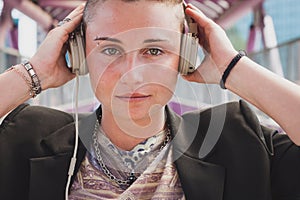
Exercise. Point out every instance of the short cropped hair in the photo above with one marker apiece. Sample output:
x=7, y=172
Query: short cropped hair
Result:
x=92, y=4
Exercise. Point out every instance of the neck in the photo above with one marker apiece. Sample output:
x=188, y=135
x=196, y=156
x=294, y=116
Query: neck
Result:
x=126, y=133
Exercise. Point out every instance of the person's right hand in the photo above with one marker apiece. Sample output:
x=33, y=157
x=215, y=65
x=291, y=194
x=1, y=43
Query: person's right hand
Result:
x=49, y=60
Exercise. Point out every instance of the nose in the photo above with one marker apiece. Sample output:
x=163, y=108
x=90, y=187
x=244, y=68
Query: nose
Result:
x=132, y=71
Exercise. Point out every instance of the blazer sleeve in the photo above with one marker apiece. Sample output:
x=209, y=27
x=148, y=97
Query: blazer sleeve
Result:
x=21, y=136
x=284, y=158
x=285, y=172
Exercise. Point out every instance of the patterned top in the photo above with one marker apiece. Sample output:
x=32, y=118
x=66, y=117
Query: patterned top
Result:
x=158, y=180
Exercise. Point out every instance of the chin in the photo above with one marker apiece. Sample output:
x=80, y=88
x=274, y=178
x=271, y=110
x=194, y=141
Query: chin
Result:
x=139, y=112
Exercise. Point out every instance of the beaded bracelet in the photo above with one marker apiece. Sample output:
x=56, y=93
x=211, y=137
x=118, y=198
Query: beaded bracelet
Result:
x=230, y=67
x=35, y=82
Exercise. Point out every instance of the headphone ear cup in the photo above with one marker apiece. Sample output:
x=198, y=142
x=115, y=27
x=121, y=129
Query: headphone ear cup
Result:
x=81, y=54
x=76, y=51
x=189, y=46
x=188, y=54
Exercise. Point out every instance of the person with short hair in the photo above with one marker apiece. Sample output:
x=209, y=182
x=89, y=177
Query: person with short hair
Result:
x=134, y=146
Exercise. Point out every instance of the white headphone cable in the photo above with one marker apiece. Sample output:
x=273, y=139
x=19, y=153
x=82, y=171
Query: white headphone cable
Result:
x=73, y=159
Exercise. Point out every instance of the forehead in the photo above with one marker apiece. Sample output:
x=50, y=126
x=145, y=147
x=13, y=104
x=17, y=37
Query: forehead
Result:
x=115, y=17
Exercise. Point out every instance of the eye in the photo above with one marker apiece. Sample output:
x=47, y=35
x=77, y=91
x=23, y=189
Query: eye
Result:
x=154, y=51
x=110, y=51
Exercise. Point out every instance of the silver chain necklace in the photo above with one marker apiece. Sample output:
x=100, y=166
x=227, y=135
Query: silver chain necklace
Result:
x=131, y=177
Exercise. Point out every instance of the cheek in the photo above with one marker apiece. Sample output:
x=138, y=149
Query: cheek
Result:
x=96, y=76
x=165, y=79
x=104, y=86
x=164, y=91
x=169, y=72
x=103, y=79
x=169, y=85
x=175, y=63
x=98, y=70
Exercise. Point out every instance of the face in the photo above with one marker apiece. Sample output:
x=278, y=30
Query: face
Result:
x=132, y=52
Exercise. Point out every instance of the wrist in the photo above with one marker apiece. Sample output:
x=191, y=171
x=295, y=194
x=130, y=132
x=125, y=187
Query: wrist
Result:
x=21, y=73
x=35, y=84
x=42, y=75
x=230, y=66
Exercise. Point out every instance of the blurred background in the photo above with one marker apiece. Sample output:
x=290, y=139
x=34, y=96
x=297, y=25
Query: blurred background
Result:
x=268, y=29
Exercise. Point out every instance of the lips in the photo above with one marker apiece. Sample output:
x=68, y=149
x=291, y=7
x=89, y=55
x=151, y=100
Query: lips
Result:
x=133, y=97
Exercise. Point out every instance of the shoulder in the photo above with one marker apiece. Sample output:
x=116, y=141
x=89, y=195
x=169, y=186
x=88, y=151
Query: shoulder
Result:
x=227, y=126
x=35, y=110
x=25, y=129
x=26, y=113
x=231, y=111
x=229, y=116
x=234, y=114
x=33, y=122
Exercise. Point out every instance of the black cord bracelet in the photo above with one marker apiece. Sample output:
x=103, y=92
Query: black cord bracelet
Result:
x=230, y=67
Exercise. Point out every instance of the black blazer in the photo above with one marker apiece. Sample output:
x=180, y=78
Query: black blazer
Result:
x=220, y=153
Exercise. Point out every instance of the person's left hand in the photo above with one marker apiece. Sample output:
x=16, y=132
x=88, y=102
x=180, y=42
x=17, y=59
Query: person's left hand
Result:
x=216, y=45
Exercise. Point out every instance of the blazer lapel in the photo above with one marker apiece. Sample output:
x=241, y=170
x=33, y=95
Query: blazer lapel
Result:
x=86, y=128
x=200, y=179
x=48, y=175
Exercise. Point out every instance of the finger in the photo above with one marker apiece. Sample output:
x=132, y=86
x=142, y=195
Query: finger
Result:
x=73, y=19
x=78, y=10
x=204, y=25
x=197, y=15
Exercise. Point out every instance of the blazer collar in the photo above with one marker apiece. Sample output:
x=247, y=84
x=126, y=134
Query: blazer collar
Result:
x=66, y=135
x=199, y=179
x=46, y=181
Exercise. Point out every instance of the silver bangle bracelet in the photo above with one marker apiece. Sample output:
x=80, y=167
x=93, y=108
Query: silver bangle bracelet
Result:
x=36, y=84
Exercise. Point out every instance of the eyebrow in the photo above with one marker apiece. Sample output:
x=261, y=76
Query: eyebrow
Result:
x=119, y=41
x=107, y=39
x=155, y=40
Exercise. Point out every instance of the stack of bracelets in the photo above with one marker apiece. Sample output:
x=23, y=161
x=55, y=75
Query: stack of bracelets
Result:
x=34, y=84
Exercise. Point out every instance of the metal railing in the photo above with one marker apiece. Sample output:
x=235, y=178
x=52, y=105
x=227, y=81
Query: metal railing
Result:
x=289, y=57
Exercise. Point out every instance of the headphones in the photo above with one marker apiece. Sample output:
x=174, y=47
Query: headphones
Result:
x=188, y=49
